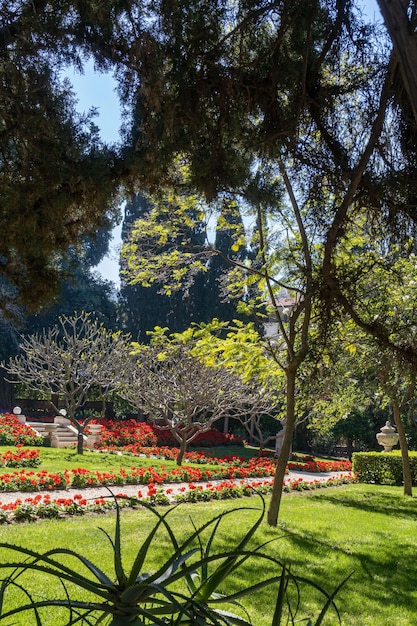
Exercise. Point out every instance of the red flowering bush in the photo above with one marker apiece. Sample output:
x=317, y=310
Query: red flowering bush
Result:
x=121, y=433
x=209, y=439
x=13, y=433
x=21, y=458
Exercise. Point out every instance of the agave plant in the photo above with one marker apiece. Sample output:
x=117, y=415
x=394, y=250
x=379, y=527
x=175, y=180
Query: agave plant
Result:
x=184, y=590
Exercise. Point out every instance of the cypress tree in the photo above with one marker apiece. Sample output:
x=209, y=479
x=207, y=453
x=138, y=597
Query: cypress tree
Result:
x=229, y=229
x=143, y=308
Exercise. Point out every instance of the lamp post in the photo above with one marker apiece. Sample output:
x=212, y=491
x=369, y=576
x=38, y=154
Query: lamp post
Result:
x=62, y=417
x=17, y=411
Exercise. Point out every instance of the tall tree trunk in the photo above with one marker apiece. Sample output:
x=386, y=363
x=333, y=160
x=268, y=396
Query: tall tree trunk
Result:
x=80, y=439
x=278, y=485
x=182, y=450
x=401, y=30
x=349, y=447
x=252, y=430
x=407, y=479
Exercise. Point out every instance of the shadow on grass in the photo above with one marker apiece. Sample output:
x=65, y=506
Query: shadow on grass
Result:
x=384, y=573
x=394, y=505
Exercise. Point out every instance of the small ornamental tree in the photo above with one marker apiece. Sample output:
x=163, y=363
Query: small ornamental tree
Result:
x=181, y=394
x=69, y=361
x=259, y=407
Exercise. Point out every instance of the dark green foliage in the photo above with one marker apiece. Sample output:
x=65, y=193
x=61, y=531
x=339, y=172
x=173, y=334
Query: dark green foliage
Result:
x=219, y=303
x=82, y=291
x=9, y=338
x=143, y=308
x=360, y=427
x=57, y=179
x=382, y=468
x=207, y=297
x=357, y=432
x=223, y=97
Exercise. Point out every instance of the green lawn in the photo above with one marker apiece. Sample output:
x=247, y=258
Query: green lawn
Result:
x=324, y=535
x=58, y=460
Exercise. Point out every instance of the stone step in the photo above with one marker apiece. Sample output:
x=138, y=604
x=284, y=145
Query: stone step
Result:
x=65, y=435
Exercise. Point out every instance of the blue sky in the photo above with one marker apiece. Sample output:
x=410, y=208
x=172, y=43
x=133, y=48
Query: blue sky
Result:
x=94, y=90
x=98, y=90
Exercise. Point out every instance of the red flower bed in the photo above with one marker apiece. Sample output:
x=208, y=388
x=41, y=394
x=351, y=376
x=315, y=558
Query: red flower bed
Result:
x=21, y=458
x=81, y=477
x=121, y=433
x=44, y=506
x=13, y=433
x=31, y=481
x=321, y=466
x=209, y=439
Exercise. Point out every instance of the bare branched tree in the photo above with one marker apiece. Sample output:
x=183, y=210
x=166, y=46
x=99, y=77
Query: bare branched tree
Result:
x=69, y=361
x=260, y=402
x=181, y=394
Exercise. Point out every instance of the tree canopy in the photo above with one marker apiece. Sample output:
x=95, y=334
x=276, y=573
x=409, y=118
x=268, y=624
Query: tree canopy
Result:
x=219, y=84
x=57, y=179
x=144, y=307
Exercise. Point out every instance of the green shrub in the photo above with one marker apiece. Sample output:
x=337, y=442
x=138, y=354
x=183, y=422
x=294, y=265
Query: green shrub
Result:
x=25, y=513
x=382, y=468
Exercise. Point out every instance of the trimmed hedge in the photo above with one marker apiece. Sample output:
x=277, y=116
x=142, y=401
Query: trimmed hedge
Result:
x=382, y=468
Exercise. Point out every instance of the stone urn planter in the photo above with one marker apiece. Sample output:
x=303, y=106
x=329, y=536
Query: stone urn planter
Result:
x=388, y=437
x=51, y=428
x=94, y=428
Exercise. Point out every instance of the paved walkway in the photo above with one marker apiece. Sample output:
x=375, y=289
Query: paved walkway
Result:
x=92, y=493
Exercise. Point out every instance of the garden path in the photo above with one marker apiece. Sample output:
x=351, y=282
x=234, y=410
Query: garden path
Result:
x=92, y=493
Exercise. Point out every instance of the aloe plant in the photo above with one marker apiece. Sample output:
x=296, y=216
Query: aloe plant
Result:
x=184, y=590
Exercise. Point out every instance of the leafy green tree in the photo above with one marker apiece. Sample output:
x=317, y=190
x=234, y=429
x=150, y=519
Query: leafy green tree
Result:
x=398, y=381
x=384, y=296
x=229, y=228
